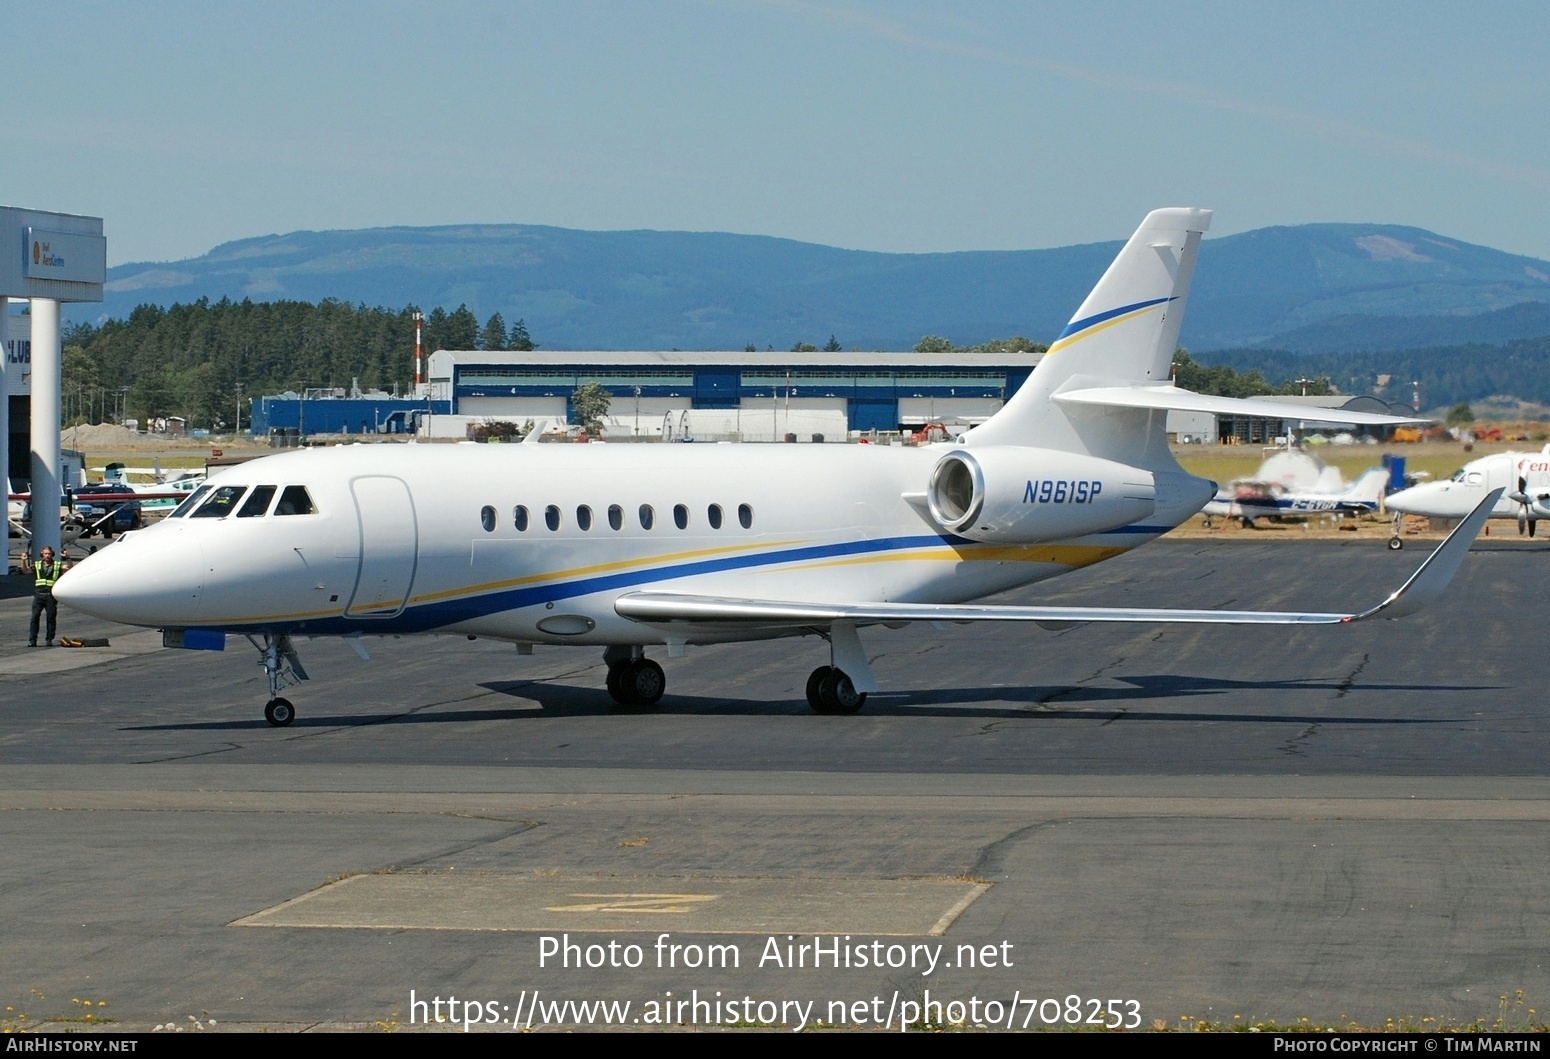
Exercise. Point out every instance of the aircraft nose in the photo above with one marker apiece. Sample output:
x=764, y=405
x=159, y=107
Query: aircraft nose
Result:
x=136, y=583
x=1436, y=499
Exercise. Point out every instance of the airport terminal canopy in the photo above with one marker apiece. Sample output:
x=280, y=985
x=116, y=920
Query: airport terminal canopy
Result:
x=51, y=255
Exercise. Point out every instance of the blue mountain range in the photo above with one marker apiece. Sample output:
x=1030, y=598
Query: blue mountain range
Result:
x=1309, y=288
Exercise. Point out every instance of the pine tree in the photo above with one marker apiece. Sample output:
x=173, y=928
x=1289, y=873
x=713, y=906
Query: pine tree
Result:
x=494, y=334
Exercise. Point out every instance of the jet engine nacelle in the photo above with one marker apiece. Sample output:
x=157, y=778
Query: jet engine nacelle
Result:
x=1014, y=495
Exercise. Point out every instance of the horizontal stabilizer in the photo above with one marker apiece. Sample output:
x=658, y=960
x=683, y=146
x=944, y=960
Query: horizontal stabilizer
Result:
x=1173, y=399
x=663, y=608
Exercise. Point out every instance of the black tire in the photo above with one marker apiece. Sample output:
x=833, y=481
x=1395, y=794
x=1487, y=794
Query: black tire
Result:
x=279, y=712
x=1395, y=544
x=815, y=697
x=615, y=683
x=840, y=694
x=645, y=682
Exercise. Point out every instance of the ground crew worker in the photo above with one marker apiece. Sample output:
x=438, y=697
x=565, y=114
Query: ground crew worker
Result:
x=44, y=573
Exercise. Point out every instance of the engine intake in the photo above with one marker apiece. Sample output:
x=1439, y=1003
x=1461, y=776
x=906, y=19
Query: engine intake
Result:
x=1015, y=495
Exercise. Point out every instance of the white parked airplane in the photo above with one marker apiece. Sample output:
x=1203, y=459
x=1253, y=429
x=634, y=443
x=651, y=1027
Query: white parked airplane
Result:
x=1247, y=501
x=627, y=547
x=1521, y=478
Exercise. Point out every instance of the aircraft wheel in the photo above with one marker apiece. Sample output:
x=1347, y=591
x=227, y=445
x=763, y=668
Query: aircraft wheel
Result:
x=814, y=684
x=615, y=684
x=839, y=694
x=1395, y=544
x=279, y=712
x=643, y=682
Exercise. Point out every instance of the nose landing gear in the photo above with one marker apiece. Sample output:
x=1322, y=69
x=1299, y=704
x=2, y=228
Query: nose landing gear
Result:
x=283, y=669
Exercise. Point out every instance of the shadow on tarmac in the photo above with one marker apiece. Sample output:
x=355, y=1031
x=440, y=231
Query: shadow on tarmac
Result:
x=1046, y=703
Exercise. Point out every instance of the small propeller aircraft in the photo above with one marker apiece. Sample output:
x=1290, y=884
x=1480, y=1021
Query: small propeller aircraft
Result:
x=1520, y=479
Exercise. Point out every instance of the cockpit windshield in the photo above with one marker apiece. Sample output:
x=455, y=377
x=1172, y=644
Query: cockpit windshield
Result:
x=222, y=502
x=193, y=501
x=245, y=502
x=257, y=502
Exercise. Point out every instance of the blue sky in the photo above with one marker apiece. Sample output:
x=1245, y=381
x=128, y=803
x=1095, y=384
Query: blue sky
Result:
x=880, y=126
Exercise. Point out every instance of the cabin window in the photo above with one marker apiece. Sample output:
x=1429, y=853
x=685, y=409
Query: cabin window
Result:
x=615, y=517
x=714, y=516
x=745, y=516
x=192, y=502
x=680, y=516
x=648, y=517
x=257, y=502
x=221, y=502
x=583, y=518
x=295, y=501
x=552, y=517
x=519, y=518
x=487, y=518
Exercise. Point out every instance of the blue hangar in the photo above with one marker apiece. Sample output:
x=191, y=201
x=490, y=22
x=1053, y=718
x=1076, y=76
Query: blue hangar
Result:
x=875, y=391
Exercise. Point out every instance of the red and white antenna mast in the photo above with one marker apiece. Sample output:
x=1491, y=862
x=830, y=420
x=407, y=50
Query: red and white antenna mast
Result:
x=419, y=318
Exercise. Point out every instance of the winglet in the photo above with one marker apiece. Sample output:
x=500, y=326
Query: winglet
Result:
x=1429, y=580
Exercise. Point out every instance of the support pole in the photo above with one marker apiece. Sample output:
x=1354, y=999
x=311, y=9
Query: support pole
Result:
x=47, y=381
x=5, y=392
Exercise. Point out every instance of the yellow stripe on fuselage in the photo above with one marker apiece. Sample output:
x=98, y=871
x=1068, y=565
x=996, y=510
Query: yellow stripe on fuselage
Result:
x=1069, y=555
x=600, y=568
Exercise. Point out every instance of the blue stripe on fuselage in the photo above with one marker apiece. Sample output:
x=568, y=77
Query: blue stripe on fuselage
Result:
x=429, y=616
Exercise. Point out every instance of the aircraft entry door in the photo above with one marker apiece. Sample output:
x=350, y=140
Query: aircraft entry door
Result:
x=389, y=543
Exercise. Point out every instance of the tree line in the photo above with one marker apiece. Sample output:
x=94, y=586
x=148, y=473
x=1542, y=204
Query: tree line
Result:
x=203, y=360
x=1446, y=375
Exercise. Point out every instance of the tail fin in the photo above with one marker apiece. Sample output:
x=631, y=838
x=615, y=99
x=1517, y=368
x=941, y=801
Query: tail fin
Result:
x=1124, y=335
x=1368, y=489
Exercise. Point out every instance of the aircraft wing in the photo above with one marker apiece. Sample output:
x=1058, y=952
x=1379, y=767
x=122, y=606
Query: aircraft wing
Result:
x=1171, y=398
x=668, y=608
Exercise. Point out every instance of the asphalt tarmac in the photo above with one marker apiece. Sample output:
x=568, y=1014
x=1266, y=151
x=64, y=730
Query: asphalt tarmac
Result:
x=1129, y=824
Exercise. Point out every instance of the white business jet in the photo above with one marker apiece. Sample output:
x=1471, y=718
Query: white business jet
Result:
x=1520, y=480
x=628, y=547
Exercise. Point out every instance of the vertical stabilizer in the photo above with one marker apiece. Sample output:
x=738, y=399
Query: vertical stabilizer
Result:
x=1369, y=488
x=1123, y=335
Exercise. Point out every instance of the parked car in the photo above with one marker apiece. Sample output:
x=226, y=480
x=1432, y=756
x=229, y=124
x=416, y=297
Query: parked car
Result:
x=107, y=517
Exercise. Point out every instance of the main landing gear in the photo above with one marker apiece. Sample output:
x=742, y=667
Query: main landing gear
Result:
x=842, y=685
x=634, y=681
x=283, y=669
x=829, y=690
